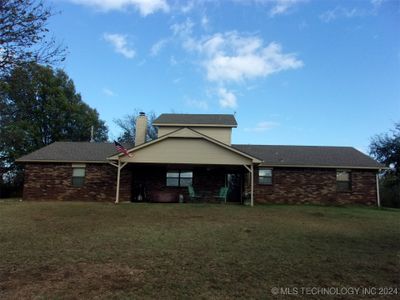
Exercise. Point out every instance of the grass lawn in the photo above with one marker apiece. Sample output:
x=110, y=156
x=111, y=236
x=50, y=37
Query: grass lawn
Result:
x=95, y=250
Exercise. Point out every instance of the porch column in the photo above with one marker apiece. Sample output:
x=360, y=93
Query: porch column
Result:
x=251, y=171
x=378, y=198
x=252, y=185
x=119, y=168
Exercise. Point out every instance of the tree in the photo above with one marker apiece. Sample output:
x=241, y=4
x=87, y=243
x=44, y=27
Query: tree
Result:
x=128, y=126
x=39, y=105
x=386, y=149
x=23, y=34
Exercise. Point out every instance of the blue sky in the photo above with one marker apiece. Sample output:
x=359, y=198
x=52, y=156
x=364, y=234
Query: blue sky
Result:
x=294, y=71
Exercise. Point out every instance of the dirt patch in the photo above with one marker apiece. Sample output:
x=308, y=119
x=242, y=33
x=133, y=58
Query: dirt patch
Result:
x=83, y=280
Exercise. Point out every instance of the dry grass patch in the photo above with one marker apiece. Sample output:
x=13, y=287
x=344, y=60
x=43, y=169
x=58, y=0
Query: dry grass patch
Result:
x=94, y=250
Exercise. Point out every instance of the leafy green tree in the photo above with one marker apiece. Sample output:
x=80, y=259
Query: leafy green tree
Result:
x=386, y=149
x=38, y=106
x=24, y=34
x=128, y=126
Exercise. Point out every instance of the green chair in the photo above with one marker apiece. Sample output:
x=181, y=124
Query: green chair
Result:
x=192, y=193
x=223, y=193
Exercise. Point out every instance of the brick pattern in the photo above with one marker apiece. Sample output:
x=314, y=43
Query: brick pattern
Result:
x=315, y=186
x=290, y=185
x=54, y=182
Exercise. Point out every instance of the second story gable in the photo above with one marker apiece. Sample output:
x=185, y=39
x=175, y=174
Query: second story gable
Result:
x=216, y=126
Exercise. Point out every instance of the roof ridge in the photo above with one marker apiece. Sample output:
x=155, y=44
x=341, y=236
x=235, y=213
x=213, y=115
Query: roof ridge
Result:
x=197, y=114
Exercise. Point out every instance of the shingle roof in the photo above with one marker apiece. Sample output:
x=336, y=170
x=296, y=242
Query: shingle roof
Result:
x=196, y=119
x=318, y=156
x=72, y=151
x=272, y=155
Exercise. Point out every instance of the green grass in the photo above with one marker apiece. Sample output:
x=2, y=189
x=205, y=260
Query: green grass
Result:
x=88, y=250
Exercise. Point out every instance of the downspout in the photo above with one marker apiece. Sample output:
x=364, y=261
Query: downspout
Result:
x=378, y=198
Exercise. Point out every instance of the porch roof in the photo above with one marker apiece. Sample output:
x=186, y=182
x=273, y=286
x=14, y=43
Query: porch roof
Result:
x=186, y=146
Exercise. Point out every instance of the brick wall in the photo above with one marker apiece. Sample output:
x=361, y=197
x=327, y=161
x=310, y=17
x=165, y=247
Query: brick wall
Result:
x=54, y=182
x=290, y=185
x=317, y=186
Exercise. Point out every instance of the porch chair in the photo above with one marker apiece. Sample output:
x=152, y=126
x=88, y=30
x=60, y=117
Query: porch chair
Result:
x=223, y=193
x=192, y=193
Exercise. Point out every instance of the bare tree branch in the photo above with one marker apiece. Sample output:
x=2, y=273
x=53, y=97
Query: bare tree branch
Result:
x=24, y=35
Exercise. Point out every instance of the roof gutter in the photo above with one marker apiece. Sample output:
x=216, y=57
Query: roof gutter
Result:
x=324, y=167
x=63, y=161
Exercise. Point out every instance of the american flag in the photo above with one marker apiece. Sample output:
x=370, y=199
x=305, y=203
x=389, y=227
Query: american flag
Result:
x=121, y=149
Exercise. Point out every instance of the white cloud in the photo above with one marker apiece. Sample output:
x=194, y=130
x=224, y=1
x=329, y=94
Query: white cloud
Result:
x=186, y=8
x=263, y=126
x=204, y=22
x=145, y=7
x=120, y=44
x=276, y=7
x=177, y=80
x=283, y=6
x=227, y=99
x=157, y=47
x=173, y=61
x=182, y=29
x=108, y=92
x=234, y=57
x=340, y=12
x=377, y=3
x=200, y=104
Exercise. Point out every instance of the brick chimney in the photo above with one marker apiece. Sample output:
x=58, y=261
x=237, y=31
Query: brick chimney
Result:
x=141, y=129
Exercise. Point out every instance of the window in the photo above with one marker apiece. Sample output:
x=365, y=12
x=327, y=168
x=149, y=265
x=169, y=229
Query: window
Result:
x=179, y=178
x=78, y=175
x=264, y=176
x=343, y=180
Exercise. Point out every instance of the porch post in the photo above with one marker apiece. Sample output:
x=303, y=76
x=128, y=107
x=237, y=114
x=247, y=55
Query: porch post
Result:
x=252, y=185
x=378, y=198
x=118, y=179
x=251, y=171
x=119, y=166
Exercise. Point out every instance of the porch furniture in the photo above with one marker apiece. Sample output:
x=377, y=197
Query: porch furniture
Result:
x=164, y=197
x=223, y=193
x=192, y=193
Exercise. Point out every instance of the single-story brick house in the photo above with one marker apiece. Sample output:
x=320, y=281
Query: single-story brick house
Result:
x=193, y=156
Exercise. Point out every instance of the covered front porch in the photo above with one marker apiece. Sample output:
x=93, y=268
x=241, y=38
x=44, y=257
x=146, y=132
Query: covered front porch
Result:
x=162, y=170
x=187, y=183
